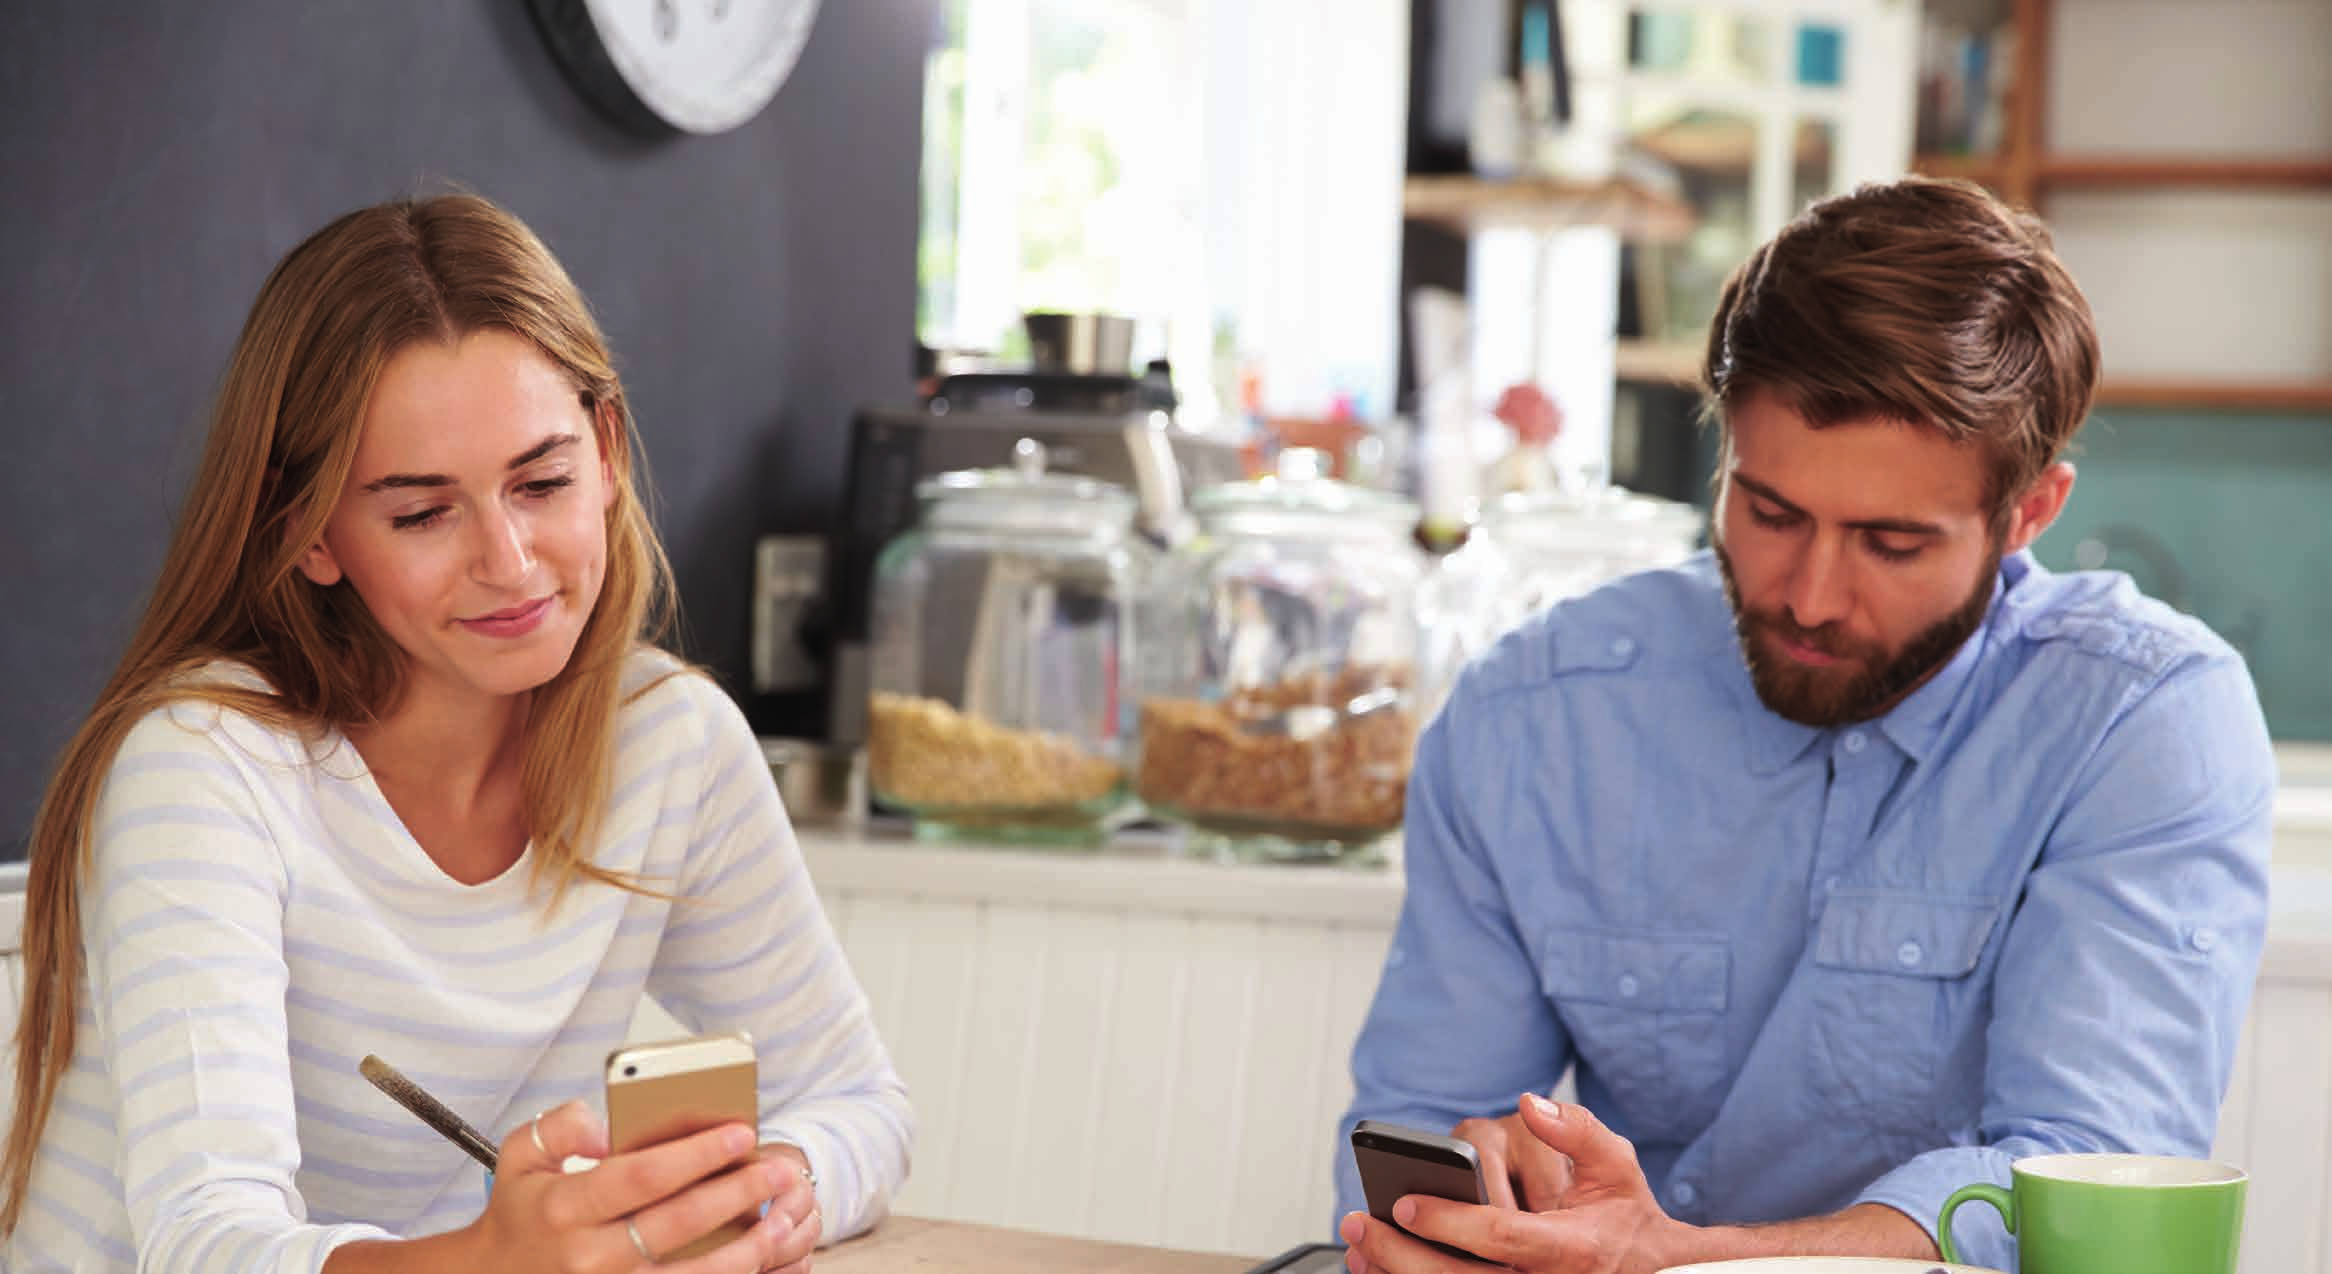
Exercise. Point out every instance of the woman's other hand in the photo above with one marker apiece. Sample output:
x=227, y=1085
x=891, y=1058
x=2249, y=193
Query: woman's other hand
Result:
x=798, y=1200
x=608, y=1219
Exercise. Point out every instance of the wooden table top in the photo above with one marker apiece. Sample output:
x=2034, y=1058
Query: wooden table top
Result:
x=912, y=1245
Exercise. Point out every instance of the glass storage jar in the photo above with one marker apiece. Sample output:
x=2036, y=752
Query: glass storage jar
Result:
x=1530, y=552
x=1276, y=715
x=1002, y=636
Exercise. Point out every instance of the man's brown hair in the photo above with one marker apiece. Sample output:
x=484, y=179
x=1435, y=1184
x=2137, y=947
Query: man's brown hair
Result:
x=1924, y=301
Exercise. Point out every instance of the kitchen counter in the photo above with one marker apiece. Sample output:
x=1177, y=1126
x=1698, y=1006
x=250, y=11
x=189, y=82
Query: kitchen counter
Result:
x=1129, y=1045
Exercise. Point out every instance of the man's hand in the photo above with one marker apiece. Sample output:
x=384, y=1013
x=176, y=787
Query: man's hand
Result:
x=1519, y=1170
x=1607, y=1222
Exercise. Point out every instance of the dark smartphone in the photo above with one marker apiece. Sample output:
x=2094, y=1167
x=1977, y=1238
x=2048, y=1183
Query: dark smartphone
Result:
x=1395, y=1161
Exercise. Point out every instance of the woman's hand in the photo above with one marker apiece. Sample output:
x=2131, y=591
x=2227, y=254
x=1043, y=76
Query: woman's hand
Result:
x=798, y=1200
x=656, y=1200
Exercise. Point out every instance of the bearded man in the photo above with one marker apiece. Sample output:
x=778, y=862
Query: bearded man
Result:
x=1859, y=856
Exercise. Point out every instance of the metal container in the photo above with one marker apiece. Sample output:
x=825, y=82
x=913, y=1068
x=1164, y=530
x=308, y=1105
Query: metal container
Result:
x=822, y=784
x=1087, y=344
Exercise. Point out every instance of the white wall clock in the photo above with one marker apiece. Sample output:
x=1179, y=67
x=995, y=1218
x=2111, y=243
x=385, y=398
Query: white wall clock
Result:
x=700, y=66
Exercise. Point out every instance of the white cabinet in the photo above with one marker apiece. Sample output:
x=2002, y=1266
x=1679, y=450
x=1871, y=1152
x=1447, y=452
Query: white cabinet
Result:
x=1133, y=1048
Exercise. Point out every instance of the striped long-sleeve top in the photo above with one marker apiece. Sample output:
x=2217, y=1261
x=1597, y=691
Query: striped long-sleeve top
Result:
x=258, y=919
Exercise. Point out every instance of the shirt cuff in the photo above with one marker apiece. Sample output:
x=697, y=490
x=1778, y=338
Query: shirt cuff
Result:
x=818, y=1149
x=312, y=1249
x=1918, y=1190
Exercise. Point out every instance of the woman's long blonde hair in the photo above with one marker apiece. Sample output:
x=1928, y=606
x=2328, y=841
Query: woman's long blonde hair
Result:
x=282, y=437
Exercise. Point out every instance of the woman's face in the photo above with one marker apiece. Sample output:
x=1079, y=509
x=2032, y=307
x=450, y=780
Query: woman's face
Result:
x=473, y=524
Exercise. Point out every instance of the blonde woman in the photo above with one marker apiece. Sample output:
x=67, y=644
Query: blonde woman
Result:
x=392, y=766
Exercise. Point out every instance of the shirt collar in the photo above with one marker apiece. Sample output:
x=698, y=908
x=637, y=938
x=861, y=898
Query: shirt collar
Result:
x=1774, y=742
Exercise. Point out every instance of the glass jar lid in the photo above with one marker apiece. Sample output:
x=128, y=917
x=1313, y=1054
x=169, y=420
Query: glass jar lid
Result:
x=1599, y=516
x=1025, y=498
x=1300, y=498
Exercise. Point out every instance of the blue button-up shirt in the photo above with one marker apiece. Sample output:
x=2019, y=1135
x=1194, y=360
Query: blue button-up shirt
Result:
x=2019, y=914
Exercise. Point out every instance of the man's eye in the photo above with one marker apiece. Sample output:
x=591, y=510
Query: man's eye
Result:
x=1888, y=552
x=1763, y=516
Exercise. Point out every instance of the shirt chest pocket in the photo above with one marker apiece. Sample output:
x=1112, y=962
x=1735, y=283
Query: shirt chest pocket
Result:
x=1646, y=1012
x=1892, y=976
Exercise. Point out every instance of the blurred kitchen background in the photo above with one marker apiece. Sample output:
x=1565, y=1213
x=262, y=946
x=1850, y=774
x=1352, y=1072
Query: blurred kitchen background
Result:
x=1340, y=228
x=1105, y=423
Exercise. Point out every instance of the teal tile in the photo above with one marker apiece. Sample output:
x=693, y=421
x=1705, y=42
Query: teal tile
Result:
x=2229, y=517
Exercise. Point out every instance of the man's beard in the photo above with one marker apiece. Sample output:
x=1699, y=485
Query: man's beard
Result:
x=1865, y=681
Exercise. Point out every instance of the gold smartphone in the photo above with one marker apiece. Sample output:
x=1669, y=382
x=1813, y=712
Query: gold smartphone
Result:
x=671, y=1088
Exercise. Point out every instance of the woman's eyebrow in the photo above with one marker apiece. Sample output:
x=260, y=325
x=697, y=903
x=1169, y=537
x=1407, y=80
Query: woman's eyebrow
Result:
x=402, y=481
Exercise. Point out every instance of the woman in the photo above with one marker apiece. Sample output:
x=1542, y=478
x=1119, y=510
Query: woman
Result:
x=393, y=767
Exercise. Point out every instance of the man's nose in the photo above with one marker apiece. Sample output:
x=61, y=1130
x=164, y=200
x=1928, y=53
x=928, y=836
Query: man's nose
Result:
x=1820, y=589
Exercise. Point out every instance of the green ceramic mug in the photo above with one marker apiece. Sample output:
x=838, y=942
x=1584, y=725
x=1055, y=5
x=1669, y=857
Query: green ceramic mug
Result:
x=2115, y=1214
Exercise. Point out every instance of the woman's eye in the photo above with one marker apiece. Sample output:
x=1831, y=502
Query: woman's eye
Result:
x=416, y=521
x=543, y=488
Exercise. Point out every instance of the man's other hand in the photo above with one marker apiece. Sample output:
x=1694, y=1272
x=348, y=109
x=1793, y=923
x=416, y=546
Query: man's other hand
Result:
x=1607, y=1222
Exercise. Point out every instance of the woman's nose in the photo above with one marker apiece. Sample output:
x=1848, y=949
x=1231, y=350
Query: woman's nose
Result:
x=505, y=558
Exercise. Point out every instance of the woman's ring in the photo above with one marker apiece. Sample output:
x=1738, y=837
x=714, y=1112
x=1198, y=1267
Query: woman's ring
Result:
x=639, y=1244
x=534, y=1130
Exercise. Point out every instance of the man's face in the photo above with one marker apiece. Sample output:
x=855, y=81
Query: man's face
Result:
x=1858, y=558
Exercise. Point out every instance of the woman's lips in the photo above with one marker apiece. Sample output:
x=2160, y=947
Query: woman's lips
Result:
x=514, y=621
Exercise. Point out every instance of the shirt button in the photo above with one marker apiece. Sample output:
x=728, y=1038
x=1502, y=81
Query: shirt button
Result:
x=1624, y=647
x=1855, y=742
x=2204, y=939
x=1908, y=955
x=1830, y=885
x=1628, y=986
x=1685, y=1194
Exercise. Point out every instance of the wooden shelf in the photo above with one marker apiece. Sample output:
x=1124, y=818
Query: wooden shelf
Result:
x=1467, y=204
x=1657, y=362
x=2133, y=170
x=1726, y=145
x=1983, y=169
x=2305, y=397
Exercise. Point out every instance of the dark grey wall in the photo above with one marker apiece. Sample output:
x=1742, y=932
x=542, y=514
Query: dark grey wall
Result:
x=157, y=156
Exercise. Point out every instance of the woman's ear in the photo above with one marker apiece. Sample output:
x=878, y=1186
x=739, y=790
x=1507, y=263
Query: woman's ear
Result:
x=318, y=564
x=608, y=432
x=317, y=561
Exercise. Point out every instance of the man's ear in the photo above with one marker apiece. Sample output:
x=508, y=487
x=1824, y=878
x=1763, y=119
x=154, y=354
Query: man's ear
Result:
x=2039, y=506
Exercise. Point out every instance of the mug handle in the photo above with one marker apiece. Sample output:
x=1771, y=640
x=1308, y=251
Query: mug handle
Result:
x=2001, y=1200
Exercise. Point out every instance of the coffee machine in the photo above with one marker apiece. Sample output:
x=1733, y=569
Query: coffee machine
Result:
x=1116, y=427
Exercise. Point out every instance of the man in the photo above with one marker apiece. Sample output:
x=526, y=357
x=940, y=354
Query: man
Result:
x=1850, y=861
